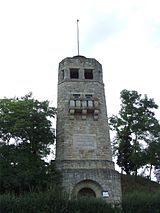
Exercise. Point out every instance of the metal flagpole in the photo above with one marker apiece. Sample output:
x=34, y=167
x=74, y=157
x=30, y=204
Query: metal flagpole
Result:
x=78, y=36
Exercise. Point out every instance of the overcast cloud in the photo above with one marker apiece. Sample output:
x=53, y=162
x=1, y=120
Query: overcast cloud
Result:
x=124, y=36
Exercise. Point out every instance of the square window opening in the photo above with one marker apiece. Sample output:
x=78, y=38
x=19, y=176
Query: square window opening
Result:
x=74, y=73
x=88, y=74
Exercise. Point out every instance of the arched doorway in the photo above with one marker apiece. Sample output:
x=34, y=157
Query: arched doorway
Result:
x=87, y=188
x=87, y=192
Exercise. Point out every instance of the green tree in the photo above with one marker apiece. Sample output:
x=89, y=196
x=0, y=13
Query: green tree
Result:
x=153, y=154
x=26, y=134
x=134, y=126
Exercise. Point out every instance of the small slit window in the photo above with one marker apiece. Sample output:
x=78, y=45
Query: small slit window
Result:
x=62, y=74
x=74, y=73
x=88, y=74
x=76, y=96
x=88, y=96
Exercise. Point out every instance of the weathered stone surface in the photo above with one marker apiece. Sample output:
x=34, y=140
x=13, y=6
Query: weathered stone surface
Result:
x=99, y=180
x=83, y=149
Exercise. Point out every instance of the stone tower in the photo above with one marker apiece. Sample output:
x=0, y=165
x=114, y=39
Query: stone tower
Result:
x=83, y=149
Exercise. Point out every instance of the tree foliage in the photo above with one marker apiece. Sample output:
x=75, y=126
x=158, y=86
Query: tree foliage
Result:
x=26, y=134
x=137, y=132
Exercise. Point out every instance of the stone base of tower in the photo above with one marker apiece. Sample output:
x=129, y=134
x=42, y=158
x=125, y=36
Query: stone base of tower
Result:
x=97, y=180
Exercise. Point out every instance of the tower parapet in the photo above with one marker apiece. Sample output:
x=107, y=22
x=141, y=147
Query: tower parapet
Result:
x=79, y=68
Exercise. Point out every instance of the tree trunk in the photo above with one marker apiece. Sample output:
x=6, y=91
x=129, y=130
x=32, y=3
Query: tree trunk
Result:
x=150, y=172
x=136, y=172
x=121, y=171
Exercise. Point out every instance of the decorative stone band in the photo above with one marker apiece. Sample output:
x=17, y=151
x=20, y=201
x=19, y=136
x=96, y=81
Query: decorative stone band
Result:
x=84, y=164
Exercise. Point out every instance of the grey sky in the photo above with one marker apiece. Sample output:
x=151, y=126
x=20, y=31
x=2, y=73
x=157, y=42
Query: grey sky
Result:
x=124, y=36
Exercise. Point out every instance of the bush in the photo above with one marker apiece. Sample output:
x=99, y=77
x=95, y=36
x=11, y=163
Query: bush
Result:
x=90, y=206
x=51, y=202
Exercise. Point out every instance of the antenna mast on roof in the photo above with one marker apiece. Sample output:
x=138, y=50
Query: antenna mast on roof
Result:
x=78, y=36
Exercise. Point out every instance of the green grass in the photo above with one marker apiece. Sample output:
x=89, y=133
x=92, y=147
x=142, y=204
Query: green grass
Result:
x=140, y=195
x=132, y=183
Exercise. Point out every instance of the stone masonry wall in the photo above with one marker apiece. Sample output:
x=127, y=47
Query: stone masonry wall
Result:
x=69, y=130
x=107, y=179
x=83, y=149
